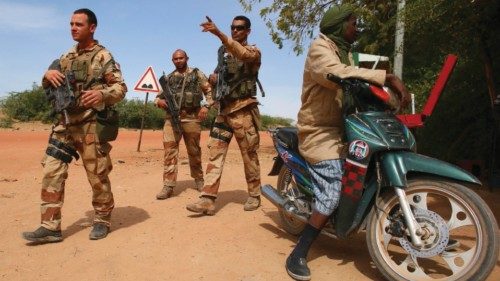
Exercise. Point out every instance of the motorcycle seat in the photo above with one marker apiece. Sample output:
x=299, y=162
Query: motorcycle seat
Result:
x=288, y=136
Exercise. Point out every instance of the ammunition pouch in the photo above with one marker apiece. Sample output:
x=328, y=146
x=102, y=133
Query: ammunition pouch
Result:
x=61, y=151
x=191, y=100
x=107, y=123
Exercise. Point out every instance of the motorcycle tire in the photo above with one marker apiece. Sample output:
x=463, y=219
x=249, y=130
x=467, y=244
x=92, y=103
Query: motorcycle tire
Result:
x=451, y=212
x=288, y=222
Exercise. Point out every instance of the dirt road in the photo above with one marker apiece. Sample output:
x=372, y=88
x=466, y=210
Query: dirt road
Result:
x=151, y=239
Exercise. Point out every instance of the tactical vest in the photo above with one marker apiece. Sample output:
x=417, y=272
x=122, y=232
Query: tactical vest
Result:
x=81, y=66
x=191, y=97
x=239, y=77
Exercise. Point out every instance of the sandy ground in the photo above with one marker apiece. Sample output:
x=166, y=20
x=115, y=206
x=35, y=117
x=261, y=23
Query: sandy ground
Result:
x=158, y=240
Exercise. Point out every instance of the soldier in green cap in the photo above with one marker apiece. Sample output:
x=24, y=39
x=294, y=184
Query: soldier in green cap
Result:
x=320, y=126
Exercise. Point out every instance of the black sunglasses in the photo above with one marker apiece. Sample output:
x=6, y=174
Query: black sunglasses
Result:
x=238, y=27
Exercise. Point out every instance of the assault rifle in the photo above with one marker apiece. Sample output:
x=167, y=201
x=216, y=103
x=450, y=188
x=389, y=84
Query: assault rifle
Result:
x=172, y=106
x=221, y=88
x=62, y=98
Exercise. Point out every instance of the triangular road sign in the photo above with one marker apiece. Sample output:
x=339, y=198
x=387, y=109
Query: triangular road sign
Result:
x=148, y=82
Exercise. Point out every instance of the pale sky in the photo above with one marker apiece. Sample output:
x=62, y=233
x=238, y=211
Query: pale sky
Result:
x=141, y=34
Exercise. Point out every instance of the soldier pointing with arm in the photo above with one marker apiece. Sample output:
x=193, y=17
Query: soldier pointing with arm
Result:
x=238, y=113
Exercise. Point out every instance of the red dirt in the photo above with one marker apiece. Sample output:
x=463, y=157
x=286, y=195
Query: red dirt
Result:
x=151, y=239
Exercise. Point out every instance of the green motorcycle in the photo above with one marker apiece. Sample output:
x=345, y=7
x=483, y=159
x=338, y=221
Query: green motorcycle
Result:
x=422, y=221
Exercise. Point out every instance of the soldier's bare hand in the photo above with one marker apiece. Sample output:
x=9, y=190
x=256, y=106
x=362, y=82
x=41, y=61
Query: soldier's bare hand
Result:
x=161, y=103
x=202, y=115
x=91, y=98
x=212, y=79
x=209, y=26
x=55, y=77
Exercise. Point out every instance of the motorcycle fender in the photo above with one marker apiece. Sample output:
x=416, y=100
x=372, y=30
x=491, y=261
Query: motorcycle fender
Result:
x=278, y=162
x=396, y=166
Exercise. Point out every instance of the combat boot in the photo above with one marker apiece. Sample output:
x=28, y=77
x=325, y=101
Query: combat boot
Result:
x=99, y=231
x=199, y=183
x=43, y=235
x=253, y=202
x=165, y=193
x=204, y=206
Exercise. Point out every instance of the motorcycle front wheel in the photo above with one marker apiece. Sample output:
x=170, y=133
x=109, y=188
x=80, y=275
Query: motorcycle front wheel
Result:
x=460, y=240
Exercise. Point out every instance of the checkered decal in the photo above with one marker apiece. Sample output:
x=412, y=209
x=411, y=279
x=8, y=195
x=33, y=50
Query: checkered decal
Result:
x=353, y=179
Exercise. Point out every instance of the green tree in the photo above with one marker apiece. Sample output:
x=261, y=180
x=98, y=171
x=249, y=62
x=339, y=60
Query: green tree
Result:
x=434, y=28
x=28, y=105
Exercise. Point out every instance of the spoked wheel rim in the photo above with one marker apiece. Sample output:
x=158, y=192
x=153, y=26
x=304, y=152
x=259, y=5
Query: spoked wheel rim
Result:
x=441, y=261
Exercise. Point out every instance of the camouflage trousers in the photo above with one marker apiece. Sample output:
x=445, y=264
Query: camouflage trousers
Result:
x=191, y=133
x=243, y=125
x=97, y=164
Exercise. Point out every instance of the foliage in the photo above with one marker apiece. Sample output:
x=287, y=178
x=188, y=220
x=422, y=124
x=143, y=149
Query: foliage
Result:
x=460, y=126
x=297, y=21
x=269, y=122
x=31, y=105
x=6, y=122
x=131, y=113
x=27, y=105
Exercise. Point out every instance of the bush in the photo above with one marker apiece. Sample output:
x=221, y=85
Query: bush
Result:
x=32, y=105
x=131, y=112
x=6, y=122
x=269, y=122
x=28, y=105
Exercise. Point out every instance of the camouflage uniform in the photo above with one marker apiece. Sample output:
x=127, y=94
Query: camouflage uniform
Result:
x=187, y=88
x=81, y=136
x=239, y=116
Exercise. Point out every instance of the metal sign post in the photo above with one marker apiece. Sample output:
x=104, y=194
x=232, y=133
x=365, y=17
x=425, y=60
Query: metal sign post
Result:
x=147, y=83
x=142, y=122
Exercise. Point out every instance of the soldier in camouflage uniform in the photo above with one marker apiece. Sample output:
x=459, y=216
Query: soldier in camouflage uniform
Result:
x=188, y=86
x=98, y=85
x=238, y=115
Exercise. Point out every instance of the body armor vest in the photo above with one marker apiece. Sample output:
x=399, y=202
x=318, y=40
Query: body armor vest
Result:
x=81, y=67
x=189, y=97
x=239, y=77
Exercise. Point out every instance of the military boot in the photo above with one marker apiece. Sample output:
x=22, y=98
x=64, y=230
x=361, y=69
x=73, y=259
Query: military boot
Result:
x=166, y=192
x=43, y=235
x=99, y=231
x=204, y=206
x=253, y=202
x=199, y=183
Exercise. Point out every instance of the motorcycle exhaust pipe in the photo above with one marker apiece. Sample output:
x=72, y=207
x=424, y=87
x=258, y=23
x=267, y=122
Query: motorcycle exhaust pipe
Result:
x=279, y=201
x=272, y=195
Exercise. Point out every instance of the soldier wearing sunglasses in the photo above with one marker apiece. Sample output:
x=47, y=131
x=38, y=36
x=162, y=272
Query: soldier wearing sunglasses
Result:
x=238, y=113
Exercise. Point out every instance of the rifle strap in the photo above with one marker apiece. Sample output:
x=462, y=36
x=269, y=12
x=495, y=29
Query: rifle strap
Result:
x=260, y=87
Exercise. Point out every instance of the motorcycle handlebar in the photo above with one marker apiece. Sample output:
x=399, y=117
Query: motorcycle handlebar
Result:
x=334, y=78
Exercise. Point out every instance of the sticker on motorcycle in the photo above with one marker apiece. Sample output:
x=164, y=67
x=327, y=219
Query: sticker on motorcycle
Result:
x=285, y=156
x=359, y=149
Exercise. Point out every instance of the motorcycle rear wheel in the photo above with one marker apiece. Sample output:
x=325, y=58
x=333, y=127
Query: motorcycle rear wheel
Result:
x=288, y=222
x=468, y=219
